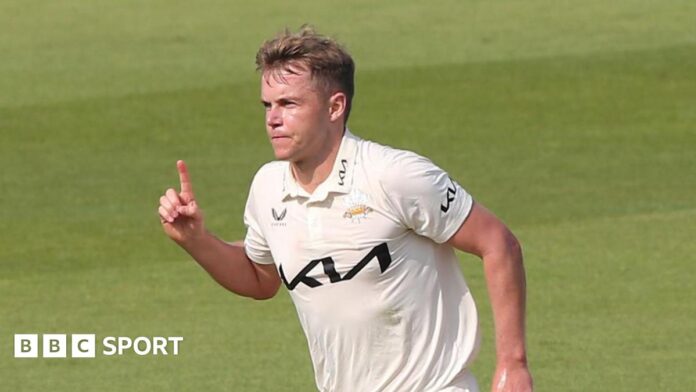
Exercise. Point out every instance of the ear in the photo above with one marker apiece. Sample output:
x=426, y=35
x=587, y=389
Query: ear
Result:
x=337, y=106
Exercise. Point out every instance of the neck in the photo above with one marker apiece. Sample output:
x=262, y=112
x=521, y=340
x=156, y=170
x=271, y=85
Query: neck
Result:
x=310, y=173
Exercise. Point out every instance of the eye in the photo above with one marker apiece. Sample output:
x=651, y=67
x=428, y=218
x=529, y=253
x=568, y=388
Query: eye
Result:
x=288, y=103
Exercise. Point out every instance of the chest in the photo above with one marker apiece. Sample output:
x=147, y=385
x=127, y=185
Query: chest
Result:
x=345, y=237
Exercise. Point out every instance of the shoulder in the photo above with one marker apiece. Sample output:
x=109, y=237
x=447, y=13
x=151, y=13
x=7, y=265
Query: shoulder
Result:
x=268, y=180
x=397, y=169
x=386, y=158
x=269, y=173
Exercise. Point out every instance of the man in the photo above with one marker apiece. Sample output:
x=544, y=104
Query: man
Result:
x=363, y=237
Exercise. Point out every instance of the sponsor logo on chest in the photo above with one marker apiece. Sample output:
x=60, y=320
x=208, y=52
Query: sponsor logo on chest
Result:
x=279, y=217
x=308, y=277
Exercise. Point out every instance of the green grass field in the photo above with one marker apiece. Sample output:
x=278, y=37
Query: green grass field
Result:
x=574, y=121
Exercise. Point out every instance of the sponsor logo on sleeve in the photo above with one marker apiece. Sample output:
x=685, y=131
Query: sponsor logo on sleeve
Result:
x=449, y=197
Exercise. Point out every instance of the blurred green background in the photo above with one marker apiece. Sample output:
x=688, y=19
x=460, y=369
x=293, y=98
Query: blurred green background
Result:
x=574, y=121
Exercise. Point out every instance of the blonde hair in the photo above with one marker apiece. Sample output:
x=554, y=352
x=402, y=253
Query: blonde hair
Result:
x=327, y=61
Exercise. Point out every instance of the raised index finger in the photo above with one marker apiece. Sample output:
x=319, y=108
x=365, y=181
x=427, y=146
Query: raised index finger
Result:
x=186, y=188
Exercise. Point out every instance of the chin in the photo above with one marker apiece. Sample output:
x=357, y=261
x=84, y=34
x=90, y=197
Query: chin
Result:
x=282, y=155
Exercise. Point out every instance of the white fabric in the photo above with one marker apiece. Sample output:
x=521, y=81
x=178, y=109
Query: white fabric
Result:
x=381, y=298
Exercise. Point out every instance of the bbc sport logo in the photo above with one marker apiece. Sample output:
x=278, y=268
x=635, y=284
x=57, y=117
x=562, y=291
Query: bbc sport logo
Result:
x=85, y=345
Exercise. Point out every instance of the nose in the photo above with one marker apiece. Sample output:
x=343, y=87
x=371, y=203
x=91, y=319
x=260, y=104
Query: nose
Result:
x=274, y=117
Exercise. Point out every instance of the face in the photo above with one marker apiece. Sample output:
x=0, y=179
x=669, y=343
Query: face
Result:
x=298, y=115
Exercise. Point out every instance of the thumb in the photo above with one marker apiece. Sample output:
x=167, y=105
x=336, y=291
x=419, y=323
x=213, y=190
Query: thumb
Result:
x=189, y=210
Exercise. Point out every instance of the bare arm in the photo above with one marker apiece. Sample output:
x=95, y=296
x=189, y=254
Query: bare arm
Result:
x=228, y=264
x=484, y=235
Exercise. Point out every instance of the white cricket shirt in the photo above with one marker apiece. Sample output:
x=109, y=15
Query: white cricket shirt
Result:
x=381, y=298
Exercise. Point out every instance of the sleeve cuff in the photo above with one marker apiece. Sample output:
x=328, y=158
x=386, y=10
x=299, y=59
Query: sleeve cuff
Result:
x=257, y=257
x=457, y=223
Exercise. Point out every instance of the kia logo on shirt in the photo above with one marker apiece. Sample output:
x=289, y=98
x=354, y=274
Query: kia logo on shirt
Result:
x=451, y=193
x=380, y=252
x=342, y=172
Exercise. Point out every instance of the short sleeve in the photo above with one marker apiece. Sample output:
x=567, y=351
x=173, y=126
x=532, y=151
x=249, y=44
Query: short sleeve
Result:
x=424, y=197
x=255, y=244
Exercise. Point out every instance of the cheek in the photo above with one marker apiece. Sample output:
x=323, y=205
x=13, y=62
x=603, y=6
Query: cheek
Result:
x=299, y=113
x=290, y=116
x=298, y=121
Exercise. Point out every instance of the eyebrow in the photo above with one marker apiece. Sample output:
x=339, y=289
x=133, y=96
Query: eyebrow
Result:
x=285, y=99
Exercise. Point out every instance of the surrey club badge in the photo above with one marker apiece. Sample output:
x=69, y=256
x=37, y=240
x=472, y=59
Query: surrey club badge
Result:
x=357, y=208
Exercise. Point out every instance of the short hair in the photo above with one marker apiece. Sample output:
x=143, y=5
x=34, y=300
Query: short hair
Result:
x=327, y=61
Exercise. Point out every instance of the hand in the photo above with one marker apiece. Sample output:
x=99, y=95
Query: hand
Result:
x=512, y=378
x=181, y=218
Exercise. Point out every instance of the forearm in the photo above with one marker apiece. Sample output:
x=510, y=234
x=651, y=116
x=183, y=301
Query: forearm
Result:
x=506, y=282
x=228, y=264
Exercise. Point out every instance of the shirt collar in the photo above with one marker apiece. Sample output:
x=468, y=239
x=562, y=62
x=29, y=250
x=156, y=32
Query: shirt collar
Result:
x=340, y=179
